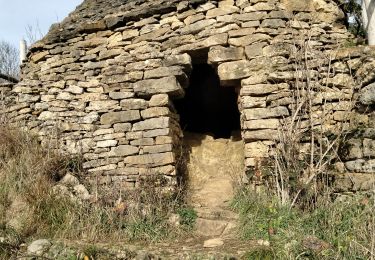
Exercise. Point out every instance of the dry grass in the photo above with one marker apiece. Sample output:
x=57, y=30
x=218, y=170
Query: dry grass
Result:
x=30, y=209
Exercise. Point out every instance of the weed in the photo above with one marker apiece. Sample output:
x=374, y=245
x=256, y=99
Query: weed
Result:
x=345, y=228
x=188, y=217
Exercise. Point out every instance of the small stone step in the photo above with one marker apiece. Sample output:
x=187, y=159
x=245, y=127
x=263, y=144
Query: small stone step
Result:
x=210, y=228
x=216, y=214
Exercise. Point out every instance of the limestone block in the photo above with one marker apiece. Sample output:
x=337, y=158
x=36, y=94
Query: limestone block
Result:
x=298, y=24
x=281, y=14
x=266, y=134
x=102, y=105
x=279, y=49
x=182, y=59
x=298, y=5
x=106, y=143
x=250, y=24
x=153, y=123
x=65, y=96
x=262, y=6
x=122, y=127
x=108, y=54
x=261, y=124
x=103, y=131
x=260, y=113
x=157, y=132
x=256, y=149
x=167, y=85
x=252, y=16
x=164, y=72
x=124, y=150
x=120, y=117
x=221, y=54
x=368, y=148
x=225, y=3
x=159, y=100
x=155, y=112
x=158, y=148
x=249, y=39
x=241, y=32
x=252, y=102
x=222, y=11
x=74, y=89
x=90, y=118
x=163, y=140
x=169, y=20
x=234, y=70
x=47, y=115
x=367, y=95
x=150, y=160
x=40, y=56
x=152, y=35
x=254, y=50
x=129, y=34
x=197, y=26
x=121, y=95
x=143, y=142
x=273, y=23
x=354, y=149
x=114, y=136
x=127, y=77
x=194, y=18
x=134, y=104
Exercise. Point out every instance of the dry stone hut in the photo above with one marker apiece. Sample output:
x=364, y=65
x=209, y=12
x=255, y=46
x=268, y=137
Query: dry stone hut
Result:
x=120, y=81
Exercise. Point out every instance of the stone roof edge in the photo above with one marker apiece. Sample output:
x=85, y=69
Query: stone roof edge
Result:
x=65, y=30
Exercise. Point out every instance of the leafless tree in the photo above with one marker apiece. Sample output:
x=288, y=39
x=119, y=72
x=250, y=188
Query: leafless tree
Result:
x=9, y=60
x=33, y=33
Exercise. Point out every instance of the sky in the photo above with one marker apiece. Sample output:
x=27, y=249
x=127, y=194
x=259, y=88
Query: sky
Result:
x=16, y=15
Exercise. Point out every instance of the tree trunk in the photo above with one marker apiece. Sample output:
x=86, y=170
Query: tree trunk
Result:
x=368, y=16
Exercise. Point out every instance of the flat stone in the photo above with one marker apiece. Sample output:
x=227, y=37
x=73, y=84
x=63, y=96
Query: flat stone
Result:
x=102, y=105
x=214, y=242
x=124, y=150
x=249, y=39
x=164, y=72
x=234, y=70
x=120, y=117
x=155, y=112
x=121, y=95
x=222, y=11
x=106, y=143
x=260, y=113
x=367, y=95
x=153, y=123
x=134, y=104
x=168, y=85
x=264, y=134
x=158, y=148
x=222, y=54
x=39, y=247
x=159, y=100
x=262, y=124
x=150, y=160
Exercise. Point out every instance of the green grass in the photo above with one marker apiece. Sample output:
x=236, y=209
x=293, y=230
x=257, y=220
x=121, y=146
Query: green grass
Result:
x=346, y=225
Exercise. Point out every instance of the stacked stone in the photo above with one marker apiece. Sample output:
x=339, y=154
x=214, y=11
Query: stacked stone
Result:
x=103, y=84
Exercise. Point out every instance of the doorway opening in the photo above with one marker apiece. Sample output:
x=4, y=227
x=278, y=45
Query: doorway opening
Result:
x=207, y=107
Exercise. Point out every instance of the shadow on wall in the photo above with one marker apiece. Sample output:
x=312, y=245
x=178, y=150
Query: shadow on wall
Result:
x=207, y=107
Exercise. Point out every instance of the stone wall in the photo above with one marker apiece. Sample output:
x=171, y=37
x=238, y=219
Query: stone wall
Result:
x=102, y=84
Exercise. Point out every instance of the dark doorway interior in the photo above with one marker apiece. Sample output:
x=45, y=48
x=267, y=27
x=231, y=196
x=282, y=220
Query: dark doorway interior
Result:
x=207, y=107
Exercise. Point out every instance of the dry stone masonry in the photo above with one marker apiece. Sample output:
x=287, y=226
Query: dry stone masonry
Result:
x=103, y=83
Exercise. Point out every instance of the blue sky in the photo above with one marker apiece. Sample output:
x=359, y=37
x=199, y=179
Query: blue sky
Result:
x=15, y=15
